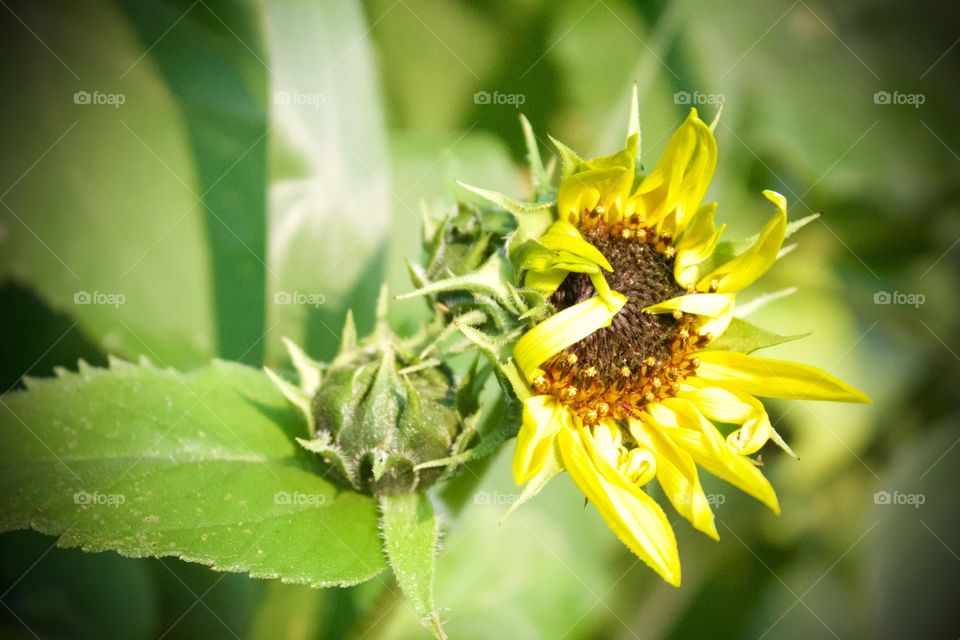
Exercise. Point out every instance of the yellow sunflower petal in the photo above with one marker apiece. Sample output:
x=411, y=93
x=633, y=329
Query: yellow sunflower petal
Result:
x=562, y=329
x=677, y=475
x=704, y=442
x=695, y=245
x=547, y=281
x=703, y=304
x=716, y=309
x=746, y=268
x=632, y=514
x=681, y=177
x=563, y=236
x=771, y=378
x=603, y=181
x=543, y=417
x=725, y=405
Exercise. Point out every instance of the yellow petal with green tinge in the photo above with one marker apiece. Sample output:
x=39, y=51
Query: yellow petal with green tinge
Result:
x=563, y=236
x=603, y=181
x=632, y=514
x=543, y=417
x=771, y=378
x=546, y=282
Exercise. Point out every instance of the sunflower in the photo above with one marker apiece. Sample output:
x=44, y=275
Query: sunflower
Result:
x=627, y=380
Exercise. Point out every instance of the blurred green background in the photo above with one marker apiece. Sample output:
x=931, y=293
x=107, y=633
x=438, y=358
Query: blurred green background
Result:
x=213, y=161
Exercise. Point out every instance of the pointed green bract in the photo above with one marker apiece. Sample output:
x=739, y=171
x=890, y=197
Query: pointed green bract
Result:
x=542, y=189
x=745, y=337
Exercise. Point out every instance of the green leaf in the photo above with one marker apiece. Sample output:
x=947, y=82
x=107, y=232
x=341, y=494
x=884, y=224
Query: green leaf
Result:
x=204, y=466
x=411, y=534
x=224, y=117
x=745, y=337
x=329, y=195
x=100, y=207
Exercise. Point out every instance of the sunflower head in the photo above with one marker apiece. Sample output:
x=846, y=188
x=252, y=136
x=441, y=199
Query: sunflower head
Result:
x=628, y=377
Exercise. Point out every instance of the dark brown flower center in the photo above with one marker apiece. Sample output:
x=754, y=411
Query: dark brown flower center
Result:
x=640, y=357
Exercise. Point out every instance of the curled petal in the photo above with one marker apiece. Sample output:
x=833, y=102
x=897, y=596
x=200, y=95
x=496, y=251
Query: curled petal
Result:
x=633, y=515
x=563, y=329
x=639, y=465
x=726, y=405
x=703, y=441
x=746, y=268
x=563, y=236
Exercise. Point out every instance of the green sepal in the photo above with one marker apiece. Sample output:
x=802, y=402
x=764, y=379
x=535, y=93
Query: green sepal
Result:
x=745, y=337
x=491, y=279
x=543, y=190
x=532, y=219
x=570, y=161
